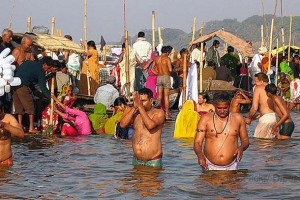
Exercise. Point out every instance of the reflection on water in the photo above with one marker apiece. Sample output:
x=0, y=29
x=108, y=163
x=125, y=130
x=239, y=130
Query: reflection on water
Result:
x=97, y=167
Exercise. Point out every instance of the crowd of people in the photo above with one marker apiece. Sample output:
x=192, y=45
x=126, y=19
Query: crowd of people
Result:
x=218, y=128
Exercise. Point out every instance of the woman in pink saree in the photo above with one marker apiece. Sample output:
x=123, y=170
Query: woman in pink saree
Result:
x=151, y=79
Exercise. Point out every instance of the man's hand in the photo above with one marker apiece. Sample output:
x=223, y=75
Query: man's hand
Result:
x=248, y=121
x=275, y=130
x=202, y=162
x=239, y=153
x=136, y=100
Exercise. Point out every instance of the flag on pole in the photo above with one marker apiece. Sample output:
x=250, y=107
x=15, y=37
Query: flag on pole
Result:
x=102, y=42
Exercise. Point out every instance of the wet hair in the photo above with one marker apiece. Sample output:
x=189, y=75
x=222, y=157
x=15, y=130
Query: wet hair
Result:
x=91, y=43
x=230, y=49
x=215, y=42
x=169, y=49
x=182, y=51
x=119, y=101
x=48, y=61
x=262, y=77
x=221, y=97
x=205, y=96
x=141, y=34
x=146, y=91
x=164, y=49
x=271, y=88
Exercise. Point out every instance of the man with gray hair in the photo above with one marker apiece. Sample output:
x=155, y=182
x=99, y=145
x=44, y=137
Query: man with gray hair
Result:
x=7, y=35
x=23, y=52
x=106, y=94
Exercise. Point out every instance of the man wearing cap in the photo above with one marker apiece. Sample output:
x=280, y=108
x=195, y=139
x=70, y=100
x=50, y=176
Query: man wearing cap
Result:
x=106, y=94
x=255, y=65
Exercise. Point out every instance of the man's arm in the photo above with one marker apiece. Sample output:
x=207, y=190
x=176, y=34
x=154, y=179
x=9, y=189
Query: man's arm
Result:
x=199, y=138
x=283, y=110
x=170, y=65
x=12, y=126
x=246, y=99
x=254, y=106
x=150, y=124
x=127, y=118
x=42, y=83
x=243, y=137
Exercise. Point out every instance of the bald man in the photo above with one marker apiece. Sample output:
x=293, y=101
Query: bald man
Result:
x=23, y=52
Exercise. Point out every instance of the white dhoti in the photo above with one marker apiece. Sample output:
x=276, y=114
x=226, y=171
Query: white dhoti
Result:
x=265, y=125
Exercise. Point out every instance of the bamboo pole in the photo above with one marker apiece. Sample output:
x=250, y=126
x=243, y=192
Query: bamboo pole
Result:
x=184, y=79
x=86, y=50
x=270, y=48
x=51, y=102
x=153, y=31
x=282, y=38
x=104, y=53
x=262, y=35
x=276, y=72
x=161, y=41
x=290, y=39
x=201, y=29
x=127, y=67
x=194, y=29
x=52, y=25
x=201, y=68
x=29, y=24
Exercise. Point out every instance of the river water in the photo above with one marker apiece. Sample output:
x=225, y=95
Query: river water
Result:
x=98, y=167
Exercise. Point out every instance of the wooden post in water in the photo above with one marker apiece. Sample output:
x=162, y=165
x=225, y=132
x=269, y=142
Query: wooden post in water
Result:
x=201, y=68
x=270, y=48
x=194, y=29
x=51, y=102
x=290, y=38
x=153, y=31
x=262, y=35
x=276, y=72
x=29, y=24
x=128, y=84
x=184, y=79
x=282, y=38
x=85, y=45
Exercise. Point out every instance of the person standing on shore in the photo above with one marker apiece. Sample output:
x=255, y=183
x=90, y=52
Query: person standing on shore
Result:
x=147, y=123
x=221, y=131
x=9, y=127
x=266, y=108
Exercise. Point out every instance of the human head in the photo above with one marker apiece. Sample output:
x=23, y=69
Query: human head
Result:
x=296, y=75
x=216, y=43
x=282, y=76
x=261, y=78
x=120, y=103
x=183, y=51
x=141, y=34
x=203, y=98
x=230, y=49
x=296, y=59
x=78, y=105
x=262, y=50
x=26, y=43
x=221, y=103
x=164, y=49
x=47, y=63
x=69, y=37
x=111, y=80
x=271, y=89
x=92, y=44
x=284, y=58
x=146, y=96
x=7, y=35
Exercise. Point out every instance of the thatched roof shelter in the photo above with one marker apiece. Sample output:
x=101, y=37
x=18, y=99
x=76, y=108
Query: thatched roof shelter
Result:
x=50, y=42
x=239, y=44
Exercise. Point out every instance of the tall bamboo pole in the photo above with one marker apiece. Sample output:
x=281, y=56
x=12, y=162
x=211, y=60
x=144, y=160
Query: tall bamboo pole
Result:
x=161, y=41
x=153, y=31
x=85, y=46
x=127, y=67
x=262, y=35
x=276, y=72
x=184, y=79
x=28, y=24
x=194, y=29
x=201, y=67
x=51, y=102
x=270, y=47
x=290, y=38
x=52, y=25
x=201, y=29
x=282, y=38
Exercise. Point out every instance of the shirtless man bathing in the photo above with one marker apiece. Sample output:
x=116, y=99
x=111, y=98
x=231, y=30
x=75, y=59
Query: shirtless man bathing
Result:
x=221, y=131
x=9, y=127
x=265, y=105
x=147, y=123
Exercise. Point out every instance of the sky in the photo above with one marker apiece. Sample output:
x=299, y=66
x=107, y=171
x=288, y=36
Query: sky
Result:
x=106, y=17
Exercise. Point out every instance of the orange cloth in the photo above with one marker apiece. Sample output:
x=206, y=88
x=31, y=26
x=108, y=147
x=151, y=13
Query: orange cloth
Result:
x=94, y=73
x=265, y=62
